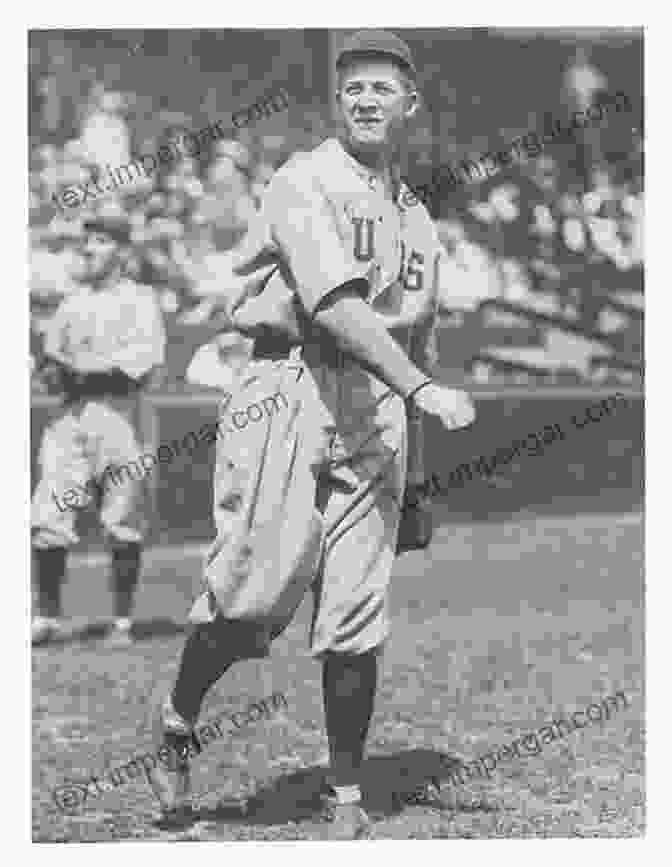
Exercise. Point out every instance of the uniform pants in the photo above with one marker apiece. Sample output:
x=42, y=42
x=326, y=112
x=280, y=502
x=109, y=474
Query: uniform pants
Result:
x=309, y=480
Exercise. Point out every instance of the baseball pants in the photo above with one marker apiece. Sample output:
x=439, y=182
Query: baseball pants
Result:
x=308, y=484
x=88, y=457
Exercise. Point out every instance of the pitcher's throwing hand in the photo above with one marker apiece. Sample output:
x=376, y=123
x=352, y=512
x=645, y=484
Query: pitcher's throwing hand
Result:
x=453, y=406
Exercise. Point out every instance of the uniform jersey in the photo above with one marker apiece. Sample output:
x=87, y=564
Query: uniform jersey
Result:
x=109, y=329
x=325, y=220
x=99, y=330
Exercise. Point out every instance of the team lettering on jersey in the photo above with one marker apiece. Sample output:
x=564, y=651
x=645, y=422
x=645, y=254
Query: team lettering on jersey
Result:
x=412, y=265
x=364, y=248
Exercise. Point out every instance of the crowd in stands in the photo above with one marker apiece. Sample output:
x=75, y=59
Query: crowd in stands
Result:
x=544, y=265
x=558, y=265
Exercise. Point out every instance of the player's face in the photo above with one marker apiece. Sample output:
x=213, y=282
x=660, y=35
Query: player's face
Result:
x=99, y=255
x=375, y=103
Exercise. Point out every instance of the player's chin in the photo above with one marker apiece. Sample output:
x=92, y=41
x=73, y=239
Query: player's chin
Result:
x=369, y=142
x=364, y=137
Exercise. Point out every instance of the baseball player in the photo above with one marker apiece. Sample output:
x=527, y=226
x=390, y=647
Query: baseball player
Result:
x=341, y=301
x=101, y=345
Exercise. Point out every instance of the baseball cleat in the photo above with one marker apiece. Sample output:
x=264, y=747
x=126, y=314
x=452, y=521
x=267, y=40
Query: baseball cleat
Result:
x=170, y=779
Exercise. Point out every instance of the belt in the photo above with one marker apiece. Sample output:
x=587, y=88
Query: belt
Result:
x=272, y=347
x=113, y=383
x=317, y=349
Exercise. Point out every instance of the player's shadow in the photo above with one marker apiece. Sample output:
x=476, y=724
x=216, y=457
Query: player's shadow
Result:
x=389, y=784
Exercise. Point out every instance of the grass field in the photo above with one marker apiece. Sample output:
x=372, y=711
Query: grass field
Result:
x=496, y=630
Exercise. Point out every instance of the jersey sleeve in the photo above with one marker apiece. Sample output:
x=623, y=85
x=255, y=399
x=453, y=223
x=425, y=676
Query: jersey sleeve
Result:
x=303, y=225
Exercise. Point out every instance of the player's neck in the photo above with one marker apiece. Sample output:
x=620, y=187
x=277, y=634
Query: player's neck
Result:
x=382, y=164
x=379, y=162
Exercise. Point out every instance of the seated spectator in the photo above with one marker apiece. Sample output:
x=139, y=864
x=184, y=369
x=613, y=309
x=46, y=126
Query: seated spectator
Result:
x=467, y=275
x=105, y=138
x=228, y=203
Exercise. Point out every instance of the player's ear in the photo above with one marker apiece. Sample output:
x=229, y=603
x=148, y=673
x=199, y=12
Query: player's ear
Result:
x=413, y=103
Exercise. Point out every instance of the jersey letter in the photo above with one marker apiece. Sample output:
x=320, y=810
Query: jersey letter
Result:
x=364, y=249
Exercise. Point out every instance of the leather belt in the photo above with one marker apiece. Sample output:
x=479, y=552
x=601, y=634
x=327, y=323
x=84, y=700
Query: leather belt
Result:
x=318, y=349
x=271, y=347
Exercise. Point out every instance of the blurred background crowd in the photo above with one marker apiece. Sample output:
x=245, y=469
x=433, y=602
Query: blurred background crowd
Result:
x=543, y=278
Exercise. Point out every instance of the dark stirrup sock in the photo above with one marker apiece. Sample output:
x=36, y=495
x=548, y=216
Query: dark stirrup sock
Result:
x=205, y=658
x=125, y=575
x=49, y=566
x=349, y=688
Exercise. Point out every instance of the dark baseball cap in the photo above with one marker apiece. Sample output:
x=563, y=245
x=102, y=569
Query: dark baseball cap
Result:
x=377, y=42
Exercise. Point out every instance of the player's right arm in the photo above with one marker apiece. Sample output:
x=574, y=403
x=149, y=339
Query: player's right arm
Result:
x=330, y=284
x=358, y=332
x=332, y=288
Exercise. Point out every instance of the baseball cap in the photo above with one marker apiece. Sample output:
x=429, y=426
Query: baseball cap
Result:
x=377, y=42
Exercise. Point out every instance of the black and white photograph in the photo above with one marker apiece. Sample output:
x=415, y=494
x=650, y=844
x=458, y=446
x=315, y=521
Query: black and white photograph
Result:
x=349, y=554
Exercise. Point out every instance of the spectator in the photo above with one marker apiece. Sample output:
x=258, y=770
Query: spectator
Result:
x=584, y=86
x=105, y=138
x=537, y=236
x=228, y=203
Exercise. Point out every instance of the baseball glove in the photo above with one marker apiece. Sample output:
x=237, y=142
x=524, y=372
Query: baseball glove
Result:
x=415, y=525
